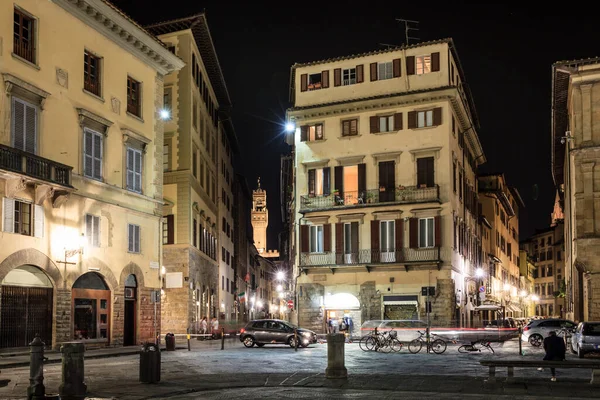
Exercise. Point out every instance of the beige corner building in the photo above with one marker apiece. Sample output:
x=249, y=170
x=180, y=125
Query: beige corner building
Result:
x=575, y=153
x=385, y=149
x=80, y=173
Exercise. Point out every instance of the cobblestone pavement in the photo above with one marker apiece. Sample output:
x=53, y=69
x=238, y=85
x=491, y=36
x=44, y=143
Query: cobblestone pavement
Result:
x=279, y=371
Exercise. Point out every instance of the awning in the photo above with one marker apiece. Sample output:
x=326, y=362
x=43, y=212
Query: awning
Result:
x=399, y=303
x=514, y=308
x=488, y=307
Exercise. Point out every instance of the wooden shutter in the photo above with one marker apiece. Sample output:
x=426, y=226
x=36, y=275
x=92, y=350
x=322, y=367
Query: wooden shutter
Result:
x=354, y=238
x=437, y=116
x=171, y=229
x=339, y=179
x=373, y=71
x=325, y=79
x=410, y=65
x=430, y=174
x=399, y=234
x=130, y=169
x=97, y=145
x=398, y=121
x=438, y=231
x=339, y=242
x=89, y=228
x=412, y=119
x=362, y=179
x=303, y=133
x=337, y=77
x=311, y=182
x=304, y=239
x=326, y=238
x=96, y=232
x=421, y=171
x=38, y=220
x=435, y=62
x=88, y=153
x=326, y=181
x=130, y=237
x=397, y=71
x=413, y=231
x=303, y=82
x=374, y=124
x=375, y=241
x=137, y=171
x=9, y=215
x=18, y=123
x=360, y=73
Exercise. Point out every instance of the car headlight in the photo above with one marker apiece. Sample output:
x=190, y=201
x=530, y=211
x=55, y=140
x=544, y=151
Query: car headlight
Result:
x=306, y=334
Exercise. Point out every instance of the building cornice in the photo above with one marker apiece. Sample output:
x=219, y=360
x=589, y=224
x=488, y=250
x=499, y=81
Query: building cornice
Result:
x=113, y=24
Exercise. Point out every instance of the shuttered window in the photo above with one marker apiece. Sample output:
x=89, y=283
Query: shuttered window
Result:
x=92, y=230
x=18, y=218
x=350, y=127
x=92, y=154
x=386, y=123
x=133, y=238
x=166, y=151
x=349, y=76
x=426, y=232
x=316, y=239
x=387, y=236
x=424, y=118
x=134, y=170
x=24, y=125
x=385, y=70
x=425, y=172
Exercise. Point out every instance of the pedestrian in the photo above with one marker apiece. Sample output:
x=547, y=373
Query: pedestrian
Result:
x=215, y=327
x=334, y=325
x=203, y=326
x=555, y=351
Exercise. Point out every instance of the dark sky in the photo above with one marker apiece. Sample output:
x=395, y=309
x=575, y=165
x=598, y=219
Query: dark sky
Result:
x=506, y=52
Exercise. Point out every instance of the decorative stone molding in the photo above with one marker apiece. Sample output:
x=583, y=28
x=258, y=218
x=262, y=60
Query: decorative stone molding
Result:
x=109, y=234
x=317, y=220
x=350, y=160
x=390, y=156
x=31, y=257
x=387, y=215
x=426, y=212
x=134, y=139
x=115, y=105
x=62, y=77
x=43, y=192
x=14, y=186
x=315, y=164
x=435, y=151
x=94, y=121
x=132, y=269
x=24, y=89
x=360, y=217
x=59, y=198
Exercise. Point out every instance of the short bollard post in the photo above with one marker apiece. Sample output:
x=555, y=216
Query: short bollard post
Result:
x=520, y=344
x=295, y=339
x=188, y=339
x=222, y=338
x=336, y=368
x=72, y=386
x=36, y=389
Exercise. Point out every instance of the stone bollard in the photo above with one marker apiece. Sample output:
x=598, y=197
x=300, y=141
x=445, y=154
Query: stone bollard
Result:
x=36, y=389
x=72, y=386
x=335, y=357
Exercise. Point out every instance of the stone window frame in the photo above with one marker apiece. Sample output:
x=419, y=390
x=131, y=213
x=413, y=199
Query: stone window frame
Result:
x=94, y=122
x=139, y=142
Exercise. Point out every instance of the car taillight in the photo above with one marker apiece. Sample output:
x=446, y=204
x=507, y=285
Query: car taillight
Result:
x=242, y=330
x=525, y=329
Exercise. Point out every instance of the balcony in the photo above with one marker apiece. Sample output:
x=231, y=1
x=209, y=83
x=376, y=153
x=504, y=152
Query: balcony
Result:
x=23, y=163
x=367, y=256
x=371, y=197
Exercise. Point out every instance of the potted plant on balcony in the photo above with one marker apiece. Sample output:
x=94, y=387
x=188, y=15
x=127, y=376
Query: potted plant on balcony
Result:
x=370, y=197
x=401, y=193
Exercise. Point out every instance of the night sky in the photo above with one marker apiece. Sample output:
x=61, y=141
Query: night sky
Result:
x=506, y=52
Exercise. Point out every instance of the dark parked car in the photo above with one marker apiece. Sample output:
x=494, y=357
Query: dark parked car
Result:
x=274, y=331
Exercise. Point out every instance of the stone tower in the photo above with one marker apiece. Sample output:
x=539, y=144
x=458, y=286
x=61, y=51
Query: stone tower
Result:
x=260, y=218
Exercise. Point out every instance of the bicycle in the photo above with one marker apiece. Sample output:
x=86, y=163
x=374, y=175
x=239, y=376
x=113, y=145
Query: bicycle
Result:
x=476, y=346
x=438, y=346
x=384, y=342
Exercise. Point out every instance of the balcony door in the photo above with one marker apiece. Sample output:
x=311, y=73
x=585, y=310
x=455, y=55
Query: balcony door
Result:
x=24, y=125
x=387, y=181
x=346, y=243
x=350, y=184
x=387, y=241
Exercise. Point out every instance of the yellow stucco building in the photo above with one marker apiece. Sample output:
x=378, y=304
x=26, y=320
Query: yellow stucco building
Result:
x=80, y=173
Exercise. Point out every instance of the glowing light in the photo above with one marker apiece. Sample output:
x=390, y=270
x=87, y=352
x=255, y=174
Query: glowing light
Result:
x=279, y=288
x=163, y=270
x=479, y=272
x=290, y=127
x=259, y=304
x=281, y=295
x=523, y=293
x=507, y=287
x=280, y=275
x=165, y=114
x=82, y=241
x=535, y=298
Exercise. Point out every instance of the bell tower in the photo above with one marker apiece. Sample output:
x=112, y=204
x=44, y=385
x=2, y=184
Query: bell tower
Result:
x=260, y=218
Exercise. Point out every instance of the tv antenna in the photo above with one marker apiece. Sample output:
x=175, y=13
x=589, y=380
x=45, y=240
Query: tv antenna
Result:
x=409, y=25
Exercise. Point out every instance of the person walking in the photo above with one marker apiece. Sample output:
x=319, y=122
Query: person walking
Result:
x=203, y=327
x=215, y=328
x=555, y=351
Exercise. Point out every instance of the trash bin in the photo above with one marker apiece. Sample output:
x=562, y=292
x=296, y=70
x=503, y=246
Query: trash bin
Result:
x=150, y=363
x=170, y=341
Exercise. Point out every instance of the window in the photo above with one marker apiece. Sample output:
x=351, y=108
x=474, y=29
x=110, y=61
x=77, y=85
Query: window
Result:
x=425, y=172
x=133, y=97
x=17, y=217
x=387, y=236
x=92, y=154
x=168, y=229
x=168, y=101
x=386, y=123
x=195, y=113
x=22, y=218
x=315, y=132
x=133, y=238
x=349, y=76
x=166, y=149
x=426, y=234
x=24, y=125
x=424, y=118
x=91, y=73
x=24, y=36
x=134, y=170
x=350, y=127
x=550, y=272
x=385, y=70
x=423, y=64
x=549, y=254
x=195, y=163
x=227, y=287
x=316, y=239
x=558, y=255
x=222, y=282
x=318, y=181
x=202, y=173
x=92, y=230
x=314, y=81
x=454, y=176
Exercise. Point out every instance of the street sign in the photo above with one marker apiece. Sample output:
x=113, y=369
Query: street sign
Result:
x=425, y=289
x=290, y=304
x=482, y=289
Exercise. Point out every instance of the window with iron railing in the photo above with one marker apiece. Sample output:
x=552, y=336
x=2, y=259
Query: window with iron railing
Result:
x=24, y=36
x=91, y=73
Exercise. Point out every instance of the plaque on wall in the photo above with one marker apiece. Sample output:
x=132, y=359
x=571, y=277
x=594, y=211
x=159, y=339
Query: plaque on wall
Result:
x=174, y=280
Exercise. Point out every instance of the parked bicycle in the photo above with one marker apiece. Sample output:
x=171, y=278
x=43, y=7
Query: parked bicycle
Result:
x=476, y=346
x=384, y=342
x=437, y=345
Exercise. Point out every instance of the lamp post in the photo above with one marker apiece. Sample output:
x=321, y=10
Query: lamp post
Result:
x=507, y=288
x=70, y=252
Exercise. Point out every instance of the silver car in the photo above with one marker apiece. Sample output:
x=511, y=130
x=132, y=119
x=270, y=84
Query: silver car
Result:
x=538, y=329
x=586, y=339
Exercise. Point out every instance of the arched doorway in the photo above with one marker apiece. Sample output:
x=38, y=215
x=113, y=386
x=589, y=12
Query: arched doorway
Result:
x=26, y=307
x=91, y=308
x=343, y=307
x=129, y=328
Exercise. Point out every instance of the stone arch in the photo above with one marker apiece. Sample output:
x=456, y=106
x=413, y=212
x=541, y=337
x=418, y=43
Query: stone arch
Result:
x=132, y=268
x=31, y=257
x=95, y=265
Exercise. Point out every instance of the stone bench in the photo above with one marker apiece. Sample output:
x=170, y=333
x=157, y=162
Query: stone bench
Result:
x=510, y=364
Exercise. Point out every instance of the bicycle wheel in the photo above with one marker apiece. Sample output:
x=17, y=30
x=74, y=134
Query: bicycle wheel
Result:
x=415, y=346
x=438, y=346
x=396, y=345
x=464, y=348
x=363, y=343
x=386, y=346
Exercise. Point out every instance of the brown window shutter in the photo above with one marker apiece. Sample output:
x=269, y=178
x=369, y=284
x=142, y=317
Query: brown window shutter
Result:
x=360, y=73
x=375, y=241
x=413, y=231
x=438, y=231
x=399, y=234
x=362, y=179
x=437, y=116
x=339, y=238
x=170, y=229
x=304, y=133
x=337, y=77
x=373, y=68
x=396, y=67
x=410, y=65
x=327, y=238
x=435, y=62
x=303, y=82
x=354, y=238
x=326, y=181
x=374, y=124
x=412, y=119
x=311, y=182
x=398, y=121
x=304, y=238
x=338, y=172
x=325, y=79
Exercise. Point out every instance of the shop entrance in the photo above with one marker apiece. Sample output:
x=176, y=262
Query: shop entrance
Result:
x=129, y=330
x=91, y=308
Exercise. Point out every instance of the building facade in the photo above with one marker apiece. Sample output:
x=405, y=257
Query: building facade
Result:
x=575, y=144
x=259, y=217
x=528, y=296
x=385, y=150
x=81, y=186
x=242, y=241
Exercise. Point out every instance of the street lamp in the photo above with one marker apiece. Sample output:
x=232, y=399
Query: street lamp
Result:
x=534, y=299
x=290, y=127
x=280, y=275
x=279, y=288
x=479, y=272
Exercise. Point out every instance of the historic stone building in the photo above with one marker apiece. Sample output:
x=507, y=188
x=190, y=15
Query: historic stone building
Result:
x=575, y=153
x=198, y=177
x=259, y=217
x=80, y=178
x=385, y=151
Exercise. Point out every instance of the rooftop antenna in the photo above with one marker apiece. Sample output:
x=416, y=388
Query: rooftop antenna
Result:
x=409, y=25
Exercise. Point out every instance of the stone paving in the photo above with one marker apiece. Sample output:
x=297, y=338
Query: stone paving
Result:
x=280, y=372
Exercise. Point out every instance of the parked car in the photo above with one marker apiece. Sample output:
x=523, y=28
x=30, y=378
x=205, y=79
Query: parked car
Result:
x=538, y=329
x=274, y=331
x=586, y=339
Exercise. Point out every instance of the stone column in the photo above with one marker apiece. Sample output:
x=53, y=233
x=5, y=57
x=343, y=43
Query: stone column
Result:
x=72, y=386
x=36, y=389
x=336, y=368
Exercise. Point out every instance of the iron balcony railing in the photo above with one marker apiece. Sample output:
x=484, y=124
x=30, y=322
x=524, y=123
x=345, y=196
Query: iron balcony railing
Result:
x=368, y=256
x=21, y=162
x=397, y=195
